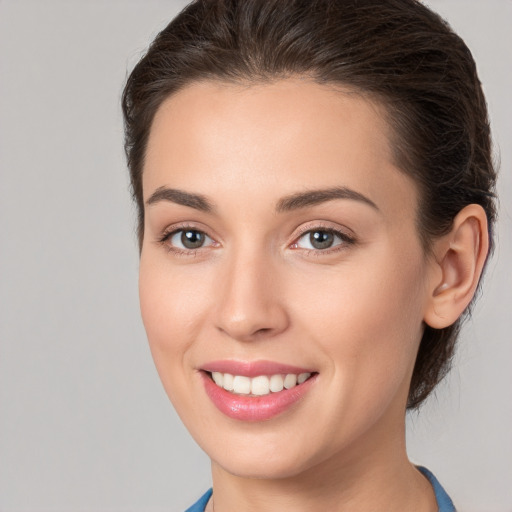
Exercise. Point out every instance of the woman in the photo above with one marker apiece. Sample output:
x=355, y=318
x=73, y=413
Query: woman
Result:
x=315, y=193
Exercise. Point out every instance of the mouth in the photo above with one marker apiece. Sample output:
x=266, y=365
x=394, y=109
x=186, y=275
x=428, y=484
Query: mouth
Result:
x=261, y=385
x=256, y=391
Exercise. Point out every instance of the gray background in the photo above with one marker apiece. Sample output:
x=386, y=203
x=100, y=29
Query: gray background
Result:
x=84, y=421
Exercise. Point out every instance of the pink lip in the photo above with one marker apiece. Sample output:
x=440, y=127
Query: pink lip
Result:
x=255, y=408
x=252, y=368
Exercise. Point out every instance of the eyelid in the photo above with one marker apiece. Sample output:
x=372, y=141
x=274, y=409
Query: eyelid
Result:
x=170, y=231
x=346, y=236
x=324, y=225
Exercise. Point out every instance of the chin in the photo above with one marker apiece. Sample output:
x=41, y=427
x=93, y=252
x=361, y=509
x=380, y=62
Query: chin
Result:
x=275, y=468
x=265, y=459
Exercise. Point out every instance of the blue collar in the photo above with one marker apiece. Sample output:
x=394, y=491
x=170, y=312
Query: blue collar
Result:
x=200, y=505
x=444, y=502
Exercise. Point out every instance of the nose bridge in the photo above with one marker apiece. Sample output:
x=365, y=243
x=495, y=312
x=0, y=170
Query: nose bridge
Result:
x=250, y=304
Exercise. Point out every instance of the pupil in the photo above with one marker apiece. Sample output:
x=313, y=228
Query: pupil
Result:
x=321, y=239
x=192, y=239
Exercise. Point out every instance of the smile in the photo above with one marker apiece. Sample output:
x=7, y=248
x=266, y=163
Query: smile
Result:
x=260, y=385
x=255, y=391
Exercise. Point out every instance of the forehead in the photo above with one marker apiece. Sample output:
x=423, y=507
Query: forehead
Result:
x=286, y=134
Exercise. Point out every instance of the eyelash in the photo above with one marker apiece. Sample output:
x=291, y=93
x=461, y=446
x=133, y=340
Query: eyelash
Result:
x=168, y=234
x=346, y=240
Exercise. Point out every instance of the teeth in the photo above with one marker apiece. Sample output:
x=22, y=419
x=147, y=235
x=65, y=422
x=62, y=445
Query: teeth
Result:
x=241, y=385
x=276, y=383
x=290, y=381
x=303, y=377
x=258, y=386
x=227, y=382
x=218, y=378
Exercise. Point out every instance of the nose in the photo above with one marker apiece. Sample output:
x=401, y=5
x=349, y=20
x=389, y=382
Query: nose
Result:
x=251, y=302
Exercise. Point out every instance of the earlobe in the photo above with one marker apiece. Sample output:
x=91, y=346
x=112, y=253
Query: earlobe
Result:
x=459, y=260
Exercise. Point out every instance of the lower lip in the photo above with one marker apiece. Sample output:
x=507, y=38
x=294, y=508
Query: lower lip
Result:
x=254, y=408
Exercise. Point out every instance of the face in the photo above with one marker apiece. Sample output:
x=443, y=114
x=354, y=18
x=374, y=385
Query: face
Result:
x=280, y=242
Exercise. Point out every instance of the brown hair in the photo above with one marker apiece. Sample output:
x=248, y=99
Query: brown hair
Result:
x=397, y=51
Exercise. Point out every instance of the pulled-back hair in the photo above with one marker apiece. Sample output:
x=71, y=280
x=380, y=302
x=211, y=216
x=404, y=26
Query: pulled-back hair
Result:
x=396, y=52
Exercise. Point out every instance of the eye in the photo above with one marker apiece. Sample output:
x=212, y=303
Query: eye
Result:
x=186, y=239
x=321, y=239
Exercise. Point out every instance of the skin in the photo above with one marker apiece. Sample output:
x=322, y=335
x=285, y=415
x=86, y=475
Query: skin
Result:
x=257, y=289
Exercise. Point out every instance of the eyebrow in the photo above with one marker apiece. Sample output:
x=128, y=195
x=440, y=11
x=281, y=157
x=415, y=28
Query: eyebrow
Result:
x=289, y=203
x=314, y=197
x=173, y=195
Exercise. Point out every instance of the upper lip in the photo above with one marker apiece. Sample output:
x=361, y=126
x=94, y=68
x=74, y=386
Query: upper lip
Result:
x=252, y=368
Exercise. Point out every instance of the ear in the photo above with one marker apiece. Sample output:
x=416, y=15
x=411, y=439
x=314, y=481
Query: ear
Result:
x=459, y=260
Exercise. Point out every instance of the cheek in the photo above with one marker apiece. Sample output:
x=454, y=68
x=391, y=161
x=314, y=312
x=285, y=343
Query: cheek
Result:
x=170, y=299
x=367, y=317
x=170, y=305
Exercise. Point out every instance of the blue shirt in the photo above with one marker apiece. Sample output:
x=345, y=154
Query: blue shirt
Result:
x=444, y=502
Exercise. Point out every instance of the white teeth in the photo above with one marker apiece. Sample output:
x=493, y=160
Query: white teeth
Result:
x=241, y=385
x=276, y=383
x=290, y=381
x=303, y=377
x=258, y=386
x=218, y=378
x=227, y=382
